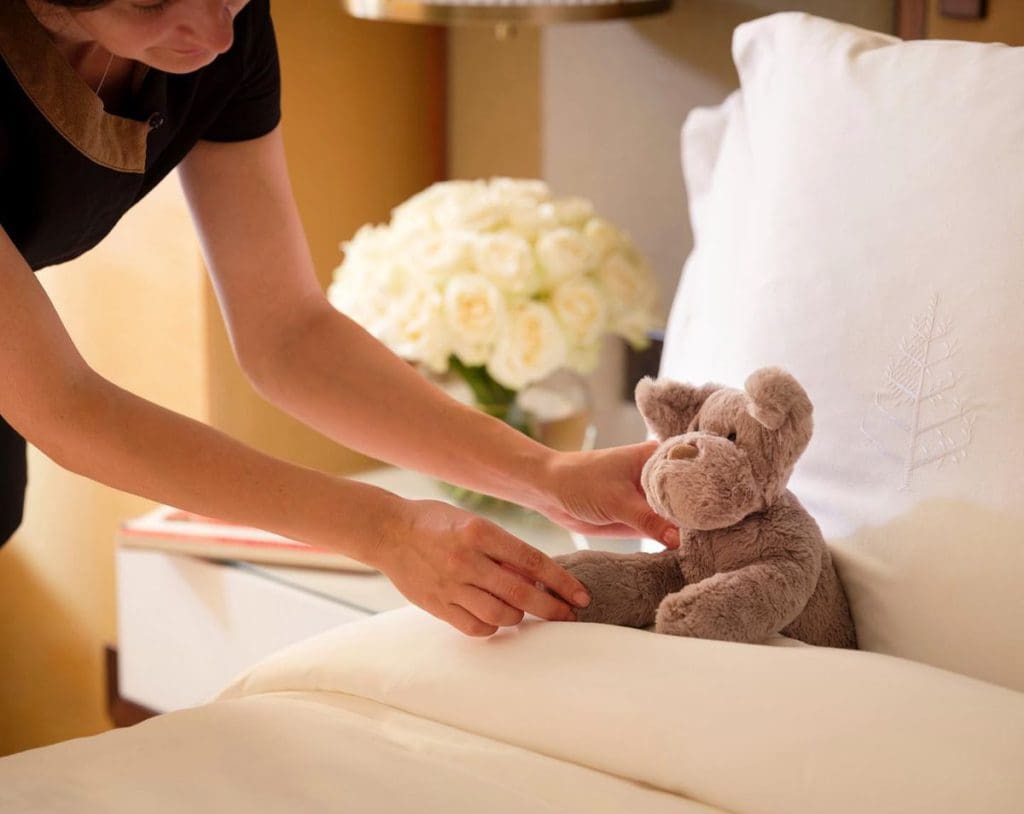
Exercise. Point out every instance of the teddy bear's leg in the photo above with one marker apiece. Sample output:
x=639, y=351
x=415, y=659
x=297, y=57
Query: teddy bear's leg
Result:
x=625, y=589
x=749, y=604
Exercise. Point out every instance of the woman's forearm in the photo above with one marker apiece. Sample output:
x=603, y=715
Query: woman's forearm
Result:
x=111, y=436
x=334, y=376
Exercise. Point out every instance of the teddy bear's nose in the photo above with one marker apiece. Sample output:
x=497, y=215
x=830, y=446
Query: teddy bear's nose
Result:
x=681, y=452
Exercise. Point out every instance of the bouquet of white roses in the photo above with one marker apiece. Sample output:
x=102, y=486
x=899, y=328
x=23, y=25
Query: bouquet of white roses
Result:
x=497, y=280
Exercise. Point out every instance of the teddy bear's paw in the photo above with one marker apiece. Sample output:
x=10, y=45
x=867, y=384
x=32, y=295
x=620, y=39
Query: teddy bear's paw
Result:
x=692, y=612
x=594, y=570
x=672, y=617
x=689, y=613
x=595, y=612
x=586, y=565
x=612, y=581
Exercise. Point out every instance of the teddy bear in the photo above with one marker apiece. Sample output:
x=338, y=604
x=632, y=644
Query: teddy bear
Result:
x=751, y=561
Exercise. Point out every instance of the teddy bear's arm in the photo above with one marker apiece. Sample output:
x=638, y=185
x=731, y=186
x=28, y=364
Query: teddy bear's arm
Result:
x=748, y=604
x=625, y=589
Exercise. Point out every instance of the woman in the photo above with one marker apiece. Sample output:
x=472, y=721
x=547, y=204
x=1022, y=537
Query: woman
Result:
x=98, y=102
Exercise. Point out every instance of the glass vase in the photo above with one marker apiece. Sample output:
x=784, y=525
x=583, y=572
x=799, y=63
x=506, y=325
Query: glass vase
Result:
x=557, y=412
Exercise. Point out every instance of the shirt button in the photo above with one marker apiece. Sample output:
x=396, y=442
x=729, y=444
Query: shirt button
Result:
x=156, y=120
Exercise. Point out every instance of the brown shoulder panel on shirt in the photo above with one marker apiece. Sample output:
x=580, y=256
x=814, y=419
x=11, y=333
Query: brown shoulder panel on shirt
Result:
x=63, y=97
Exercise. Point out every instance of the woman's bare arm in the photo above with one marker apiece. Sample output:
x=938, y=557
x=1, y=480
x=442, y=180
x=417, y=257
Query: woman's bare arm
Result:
x=320, y=366
x=313, y=361
x=90, y=426
x=445, y=560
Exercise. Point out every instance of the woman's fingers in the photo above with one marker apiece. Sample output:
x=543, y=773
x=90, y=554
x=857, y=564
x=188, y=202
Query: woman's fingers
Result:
x=599, y=493
x=605, y=530
x=488, y=608
x=660, y=530
x=644, y=519
x=516, y=585
x=517, y=592
x=472, y=573
x=464, y=621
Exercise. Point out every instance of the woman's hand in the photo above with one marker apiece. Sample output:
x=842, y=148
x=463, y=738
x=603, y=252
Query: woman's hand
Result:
x=599, y=493
x=471, y=573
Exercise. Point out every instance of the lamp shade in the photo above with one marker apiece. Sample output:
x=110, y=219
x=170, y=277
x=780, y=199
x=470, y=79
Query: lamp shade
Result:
x=496, y=12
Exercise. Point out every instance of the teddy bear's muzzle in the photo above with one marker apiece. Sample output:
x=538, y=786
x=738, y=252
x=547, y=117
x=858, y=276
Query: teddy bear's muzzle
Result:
x=700, y=481
x=682, y=452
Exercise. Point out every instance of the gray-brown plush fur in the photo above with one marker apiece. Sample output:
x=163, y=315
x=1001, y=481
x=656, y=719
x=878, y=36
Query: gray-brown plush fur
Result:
x=751, y=561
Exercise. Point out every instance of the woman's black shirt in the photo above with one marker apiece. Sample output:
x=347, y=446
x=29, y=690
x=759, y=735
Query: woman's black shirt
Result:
x=70, y=169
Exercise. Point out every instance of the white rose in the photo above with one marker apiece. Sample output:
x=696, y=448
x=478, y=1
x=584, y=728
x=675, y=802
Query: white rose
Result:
x=344, y=295
x=603, y=236
x=526, y=222
x=573, y=211
x=507, y=260
x=416, y=328
x=580, y=308
x=344, y=291
x=529, y=220
x=413, y=225
x=531, y=348
x=518, y=188
x=424, y=206
x=477, y=209
x=563, y=254
x=436, y=255
x=483, y=216
x=442, y=276
x=367, y=292
x=474, y=310
x=523, y=201
x=371, y=244
x=628, y=284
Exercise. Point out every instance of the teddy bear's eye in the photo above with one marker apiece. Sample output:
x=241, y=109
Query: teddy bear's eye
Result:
x=731, y=436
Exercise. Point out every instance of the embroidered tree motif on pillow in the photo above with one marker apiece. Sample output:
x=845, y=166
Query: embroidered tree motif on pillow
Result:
x=916, y=418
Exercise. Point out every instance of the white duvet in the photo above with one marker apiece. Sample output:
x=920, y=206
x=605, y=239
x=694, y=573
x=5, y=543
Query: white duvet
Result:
x=402, y=713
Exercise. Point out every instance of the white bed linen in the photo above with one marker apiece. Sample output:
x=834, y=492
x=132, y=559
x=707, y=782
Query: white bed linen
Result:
x=401, y=712
x=746, y=728
x=308, y=752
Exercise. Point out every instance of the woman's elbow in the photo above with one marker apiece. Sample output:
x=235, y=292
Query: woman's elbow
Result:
x=57, y=424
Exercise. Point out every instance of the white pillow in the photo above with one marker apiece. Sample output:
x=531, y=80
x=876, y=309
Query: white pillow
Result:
x=864, y=214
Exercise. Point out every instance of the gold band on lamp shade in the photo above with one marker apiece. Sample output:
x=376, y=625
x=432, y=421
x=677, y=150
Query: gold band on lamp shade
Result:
x=496, y=12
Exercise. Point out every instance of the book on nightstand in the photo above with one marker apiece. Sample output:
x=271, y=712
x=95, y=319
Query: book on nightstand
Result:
x=177, y=531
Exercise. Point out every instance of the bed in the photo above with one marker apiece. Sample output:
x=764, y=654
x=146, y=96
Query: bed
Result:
x=855, y=187
x=403, y=713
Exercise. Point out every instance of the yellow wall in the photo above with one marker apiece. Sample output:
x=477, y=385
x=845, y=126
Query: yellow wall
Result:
x=494, y=103
x=357, y=100
x=137, y=323
x=1004, y=22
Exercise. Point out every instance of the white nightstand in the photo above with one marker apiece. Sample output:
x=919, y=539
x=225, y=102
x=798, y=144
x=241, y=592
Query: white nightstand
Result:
x=187, y=626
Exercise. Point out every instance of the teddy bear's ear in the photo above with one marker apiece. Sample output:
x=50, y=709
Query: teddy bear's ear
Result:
x=775, y=396
x=668, y=407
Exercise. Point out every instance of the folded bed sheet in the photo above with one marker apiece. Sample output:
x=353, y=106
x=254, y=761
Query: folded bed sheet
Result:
x=401, y=712
x=745, y=728
x=282, y=753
